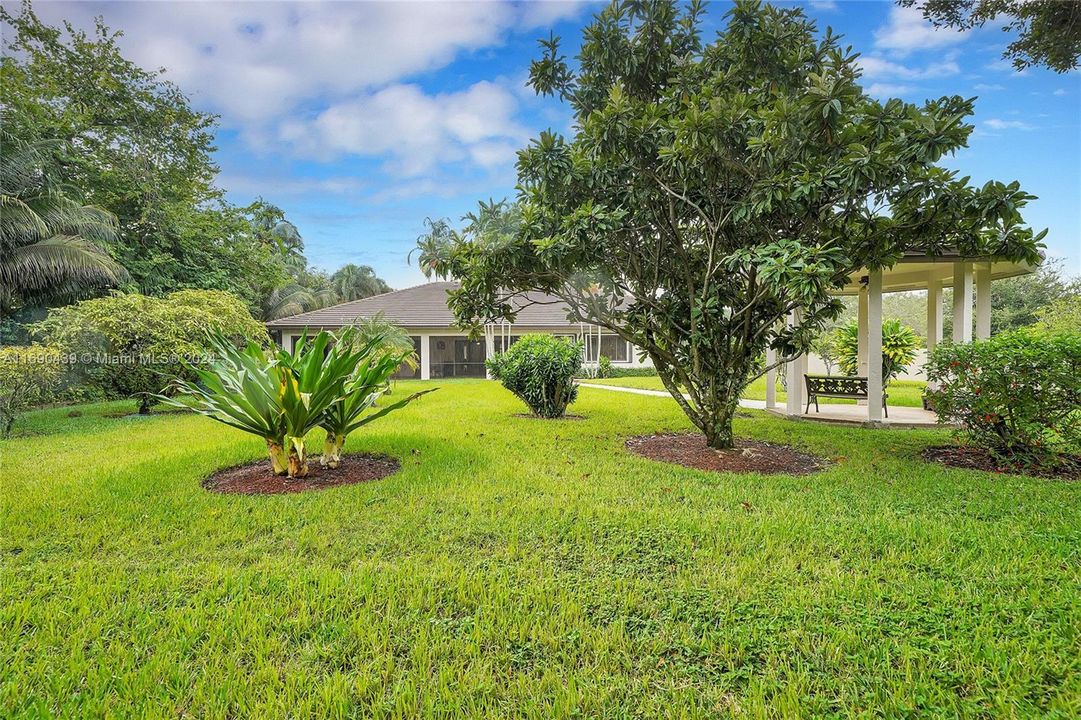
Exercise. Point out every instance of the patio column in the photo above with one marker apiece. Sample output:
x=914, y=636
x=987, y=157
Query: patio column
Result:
x=425, y=357
x=489, y=348
x=861, y=320
x=934, y=312
x=874, y=347
x=962, y=302
x=983, y=300
x=795, y=372
x=771, y=379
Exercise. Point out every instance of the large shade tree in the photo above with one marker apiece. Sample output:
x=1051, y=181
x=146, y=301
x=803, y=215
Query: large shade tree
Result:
x=713, y=190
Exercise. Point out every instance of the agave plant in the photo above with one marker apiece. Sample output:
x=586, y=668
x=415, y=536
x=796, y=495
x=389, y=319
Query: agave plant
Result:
x=369, y=382
x=279, y=397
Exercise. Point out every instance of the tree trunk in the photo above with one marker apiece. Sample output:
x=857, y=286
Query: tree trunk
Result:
x=144, y=404
x=332, y=450
x=717, y=423
x=297, y=459
x=279, y=459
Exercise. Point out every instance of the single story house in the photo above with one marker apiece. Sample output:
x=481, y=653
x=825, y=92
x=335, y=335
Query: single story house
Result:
x=444, y=349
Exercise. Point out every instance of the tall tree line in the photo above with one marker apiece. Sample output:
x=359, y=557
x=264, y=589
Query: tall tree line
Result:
x=117, y=167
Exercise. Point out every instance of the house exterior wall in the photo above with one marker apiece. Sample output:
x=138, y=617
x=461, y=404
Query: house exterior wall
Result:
x=434, y=364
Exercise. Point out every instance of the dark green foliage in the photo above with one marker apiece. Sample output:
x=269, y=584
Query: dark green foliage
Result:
x=540, y=369
x=899, y=346
x=1017, y=394
x=1045, y=32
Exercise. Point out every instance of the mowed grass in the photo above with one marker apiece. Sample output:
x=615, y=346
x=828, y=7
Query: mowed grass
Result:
x=904, y=393
x=529, y=568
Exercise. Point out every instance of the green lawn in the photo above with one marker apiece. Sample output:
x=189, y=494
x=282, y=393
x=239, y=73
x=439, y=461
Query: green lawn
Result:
x=529, y=568
x=901, y=392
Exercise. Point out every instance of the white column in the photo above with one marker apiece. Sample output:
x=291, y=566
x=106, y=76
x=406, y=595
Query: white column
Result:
x=794, y=403
x=874, y=347
x=489, y=348
x=934, y=312
x=983, y=300
x=962, y=302
x=771, y=379
x=425, y=357
x=861, y=320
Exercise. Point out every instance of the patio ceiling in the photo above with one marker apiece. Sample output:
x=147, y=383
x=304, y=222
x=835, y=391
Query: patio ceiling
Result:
x=914, y=273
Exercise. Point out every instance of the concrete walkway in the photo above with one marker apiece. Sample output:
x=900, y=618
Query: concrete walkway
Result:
x=752, y=404
x=900, y=417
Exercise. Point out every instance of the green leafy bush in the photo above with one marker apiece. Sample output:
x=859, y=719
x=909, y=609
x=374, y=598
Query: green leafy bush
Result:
x=131, y=345
x=29, y=375
x=604, y=367
x=899, y=346
x=1017, y=394
x=540, y=369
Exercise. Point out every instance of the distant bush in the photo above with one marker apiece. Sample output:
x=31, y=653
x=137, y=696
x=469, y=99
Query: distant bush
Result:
x=899, y=346
x=29, y=375
x=1018, y=394
x=132, y=345
x=604, y=367
x=540, y=369
x=619, y=372
x=1062, y=314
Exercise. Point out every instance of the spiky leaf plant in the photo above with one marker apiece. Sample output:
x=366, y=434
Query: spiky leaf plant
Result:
x=369, y=382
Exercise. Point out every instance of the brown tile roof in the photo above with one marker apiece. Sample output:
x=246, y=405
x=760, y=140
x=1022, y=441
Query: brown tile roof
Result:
x=420, y=306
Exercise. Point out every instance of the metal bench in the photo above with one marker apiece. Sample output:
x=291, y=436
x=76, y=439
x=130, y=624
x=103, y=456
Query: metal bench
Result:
x=838, y=386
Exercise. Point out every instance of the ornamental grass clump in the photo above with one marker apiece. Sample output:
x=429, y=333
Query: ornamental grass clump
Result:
x=540, y=369
x=1017, y=395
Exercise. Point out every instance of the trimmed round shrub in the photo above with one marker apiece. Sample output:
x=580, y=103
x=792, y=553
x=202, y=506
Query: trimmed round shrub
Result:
x=1017, y=395
x=540, y=369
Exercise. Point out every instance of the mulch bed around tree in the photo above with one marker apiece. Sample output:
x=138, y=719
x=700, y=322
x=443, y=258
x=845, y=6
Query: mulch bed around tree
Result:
x=531, y=416
x=258, y=479
x=749, y=456
x=974, y=458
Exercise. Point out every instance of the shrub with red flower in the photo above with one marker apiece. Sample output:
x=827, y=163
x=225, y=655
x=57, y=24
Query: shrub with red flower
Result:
x=1018, y=394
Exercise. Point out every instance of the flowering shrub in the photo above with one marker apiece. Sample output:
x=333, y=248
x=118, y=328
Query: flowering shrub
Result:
x=1017, y=394
x=540, y=370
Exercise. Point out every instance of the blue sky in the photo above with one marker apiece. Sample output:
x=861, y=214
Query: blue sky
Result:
x=362, y=119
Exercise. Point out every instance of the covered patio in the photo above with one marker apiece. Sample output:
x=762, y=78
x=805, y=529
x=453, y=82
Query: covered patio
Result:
x=970, y=279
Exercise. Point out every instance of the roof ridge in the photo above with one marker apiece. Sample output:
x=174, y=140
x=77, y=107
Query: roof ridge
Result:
x=370, y=297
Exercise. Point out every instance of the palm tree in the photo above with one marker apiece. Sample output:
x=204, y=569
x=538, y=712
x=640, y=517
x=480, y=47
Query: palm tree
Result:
x=48, y=242
x=356, y=282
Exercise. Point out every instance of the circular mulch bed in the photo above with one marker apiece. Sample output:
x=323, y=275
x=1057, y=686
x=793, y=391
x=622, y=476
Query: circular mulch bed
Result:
x=974, y=458
x=531, y=416
x=749, y=456
x=258, y=479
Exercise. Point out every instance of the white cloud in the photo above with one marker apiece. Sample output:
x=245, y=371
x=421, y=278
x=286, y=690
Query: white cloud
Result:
x=254, y=61
x=1000, y=124
x=907, y=30
x=876, y=68
x=824, y=5
x=414, y=130
x=984, y=87
x=1060, y=92
x=888, y=90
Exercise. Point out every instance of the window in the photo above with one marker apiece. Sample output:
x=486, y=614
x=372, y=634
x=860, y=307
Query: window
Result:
x=499, y=342
x=615, y=348
x=406, y=372
x=456, y=356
